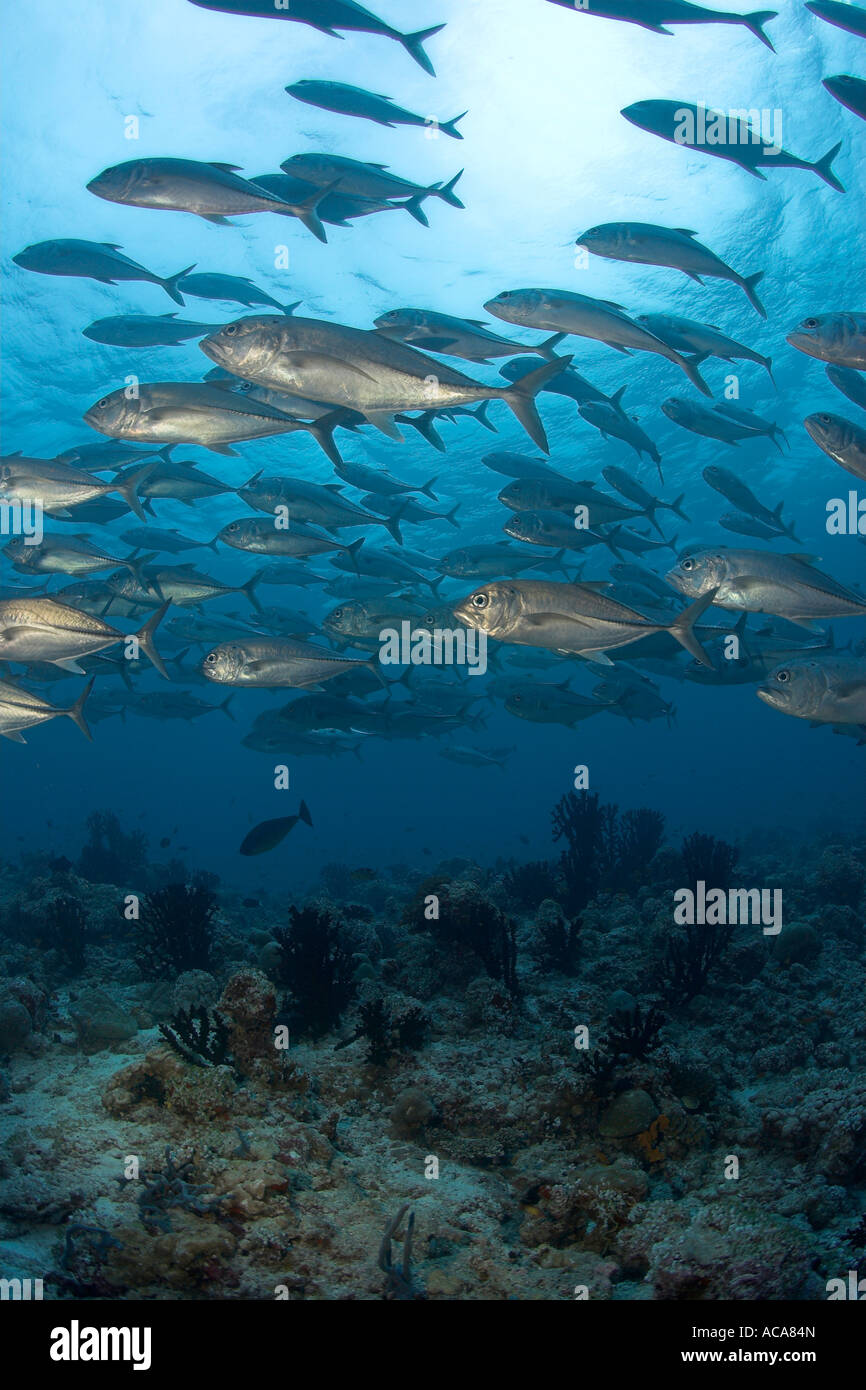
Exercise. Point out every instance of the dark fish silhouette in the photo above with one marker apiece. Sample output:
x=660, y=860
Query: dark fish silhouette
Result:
x=269, y=833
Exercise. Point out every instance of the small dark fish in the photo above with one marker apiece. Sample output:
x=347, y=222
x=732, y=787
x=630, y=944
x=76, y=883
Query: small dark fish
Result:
x=269, y=833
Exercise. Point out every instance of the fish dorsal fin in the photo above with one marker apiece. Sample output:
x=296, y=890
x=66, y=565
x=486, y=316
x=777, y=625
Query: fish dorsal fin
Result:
x=169, y=316
x=586, y=482
x=685, y=231
x=225, y=168
x=112, y=245
x=333, y=487
x=804, y=559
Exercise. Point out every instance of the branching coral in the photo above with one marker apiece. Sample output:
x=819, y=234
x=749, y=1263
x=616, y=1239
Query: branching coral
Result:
x=708, y=860
x=605, y=851
x=110, y=855
x=65, y=931
x=689, y=957
x=315, y=966
x=176, y=930
x=200, y=1035
x=398, y=1278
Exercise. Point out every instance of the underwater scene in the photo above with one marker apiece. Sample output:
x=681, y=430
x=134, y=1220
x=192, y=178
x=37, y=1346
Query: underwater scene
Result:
x=432, y=654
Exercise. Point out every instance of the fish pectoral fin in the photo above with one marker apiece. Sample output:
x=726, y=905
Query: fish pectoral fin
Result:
x=225, y=168
x=544, y=620
x=439, y=344
x=68, y=663
x=692, y=276
x=13, y=736
x=217, y=221
x=383, y=421
x=312, y=360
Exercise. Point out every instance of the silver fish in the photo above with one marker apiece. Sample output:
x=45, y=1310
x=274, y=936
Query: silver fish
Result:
x=360, y=370
x=266, y=662
x=211, y=191
x=643, y=243
x=756, y=581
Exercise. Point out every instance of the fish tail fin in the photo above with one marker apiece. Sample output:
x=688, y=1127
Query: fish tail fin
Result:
x=446, y=192
x=424, y=424
x=451, y=517
x=249, y=588
x=653, y=521
x=352, y=551
x=307, y=212
x=748, y=283
x=481, y=417
x=672, y=544
x=767, y=364
x=696, y=379
x=414, y=46
x=824, y=171
x=682, y=628
x=76, y=711
x=289, y=309
x=610, y=541
x=415, y=208
x=392, y=526
x=170, y=285
x=521, y=398
x=546, y=349
x=304, y=814
x=136, y=563
x=433, y=584
x=427, y=489
x=322, y=431
x=225, y=707
x=129, y=489
x=450, y=127
x=145, y=637
x=677, y=507
x=755, y=22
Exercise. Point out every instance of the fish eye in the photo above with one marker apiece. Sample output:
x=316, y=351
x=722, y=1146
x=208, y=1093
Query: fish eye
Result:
x=230, y=330
x=810, y=323
x=479, y=600
x=687, y=565
x=517, y=699
x=783, y=677
x=233, y=526
x=210, y=659
x=337, y=613
x=102, y=404
x=825, y=419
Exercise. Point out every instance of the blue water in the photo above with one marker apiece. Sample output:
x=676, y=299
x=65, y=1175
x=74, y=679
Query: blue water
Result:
x=546, y=155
